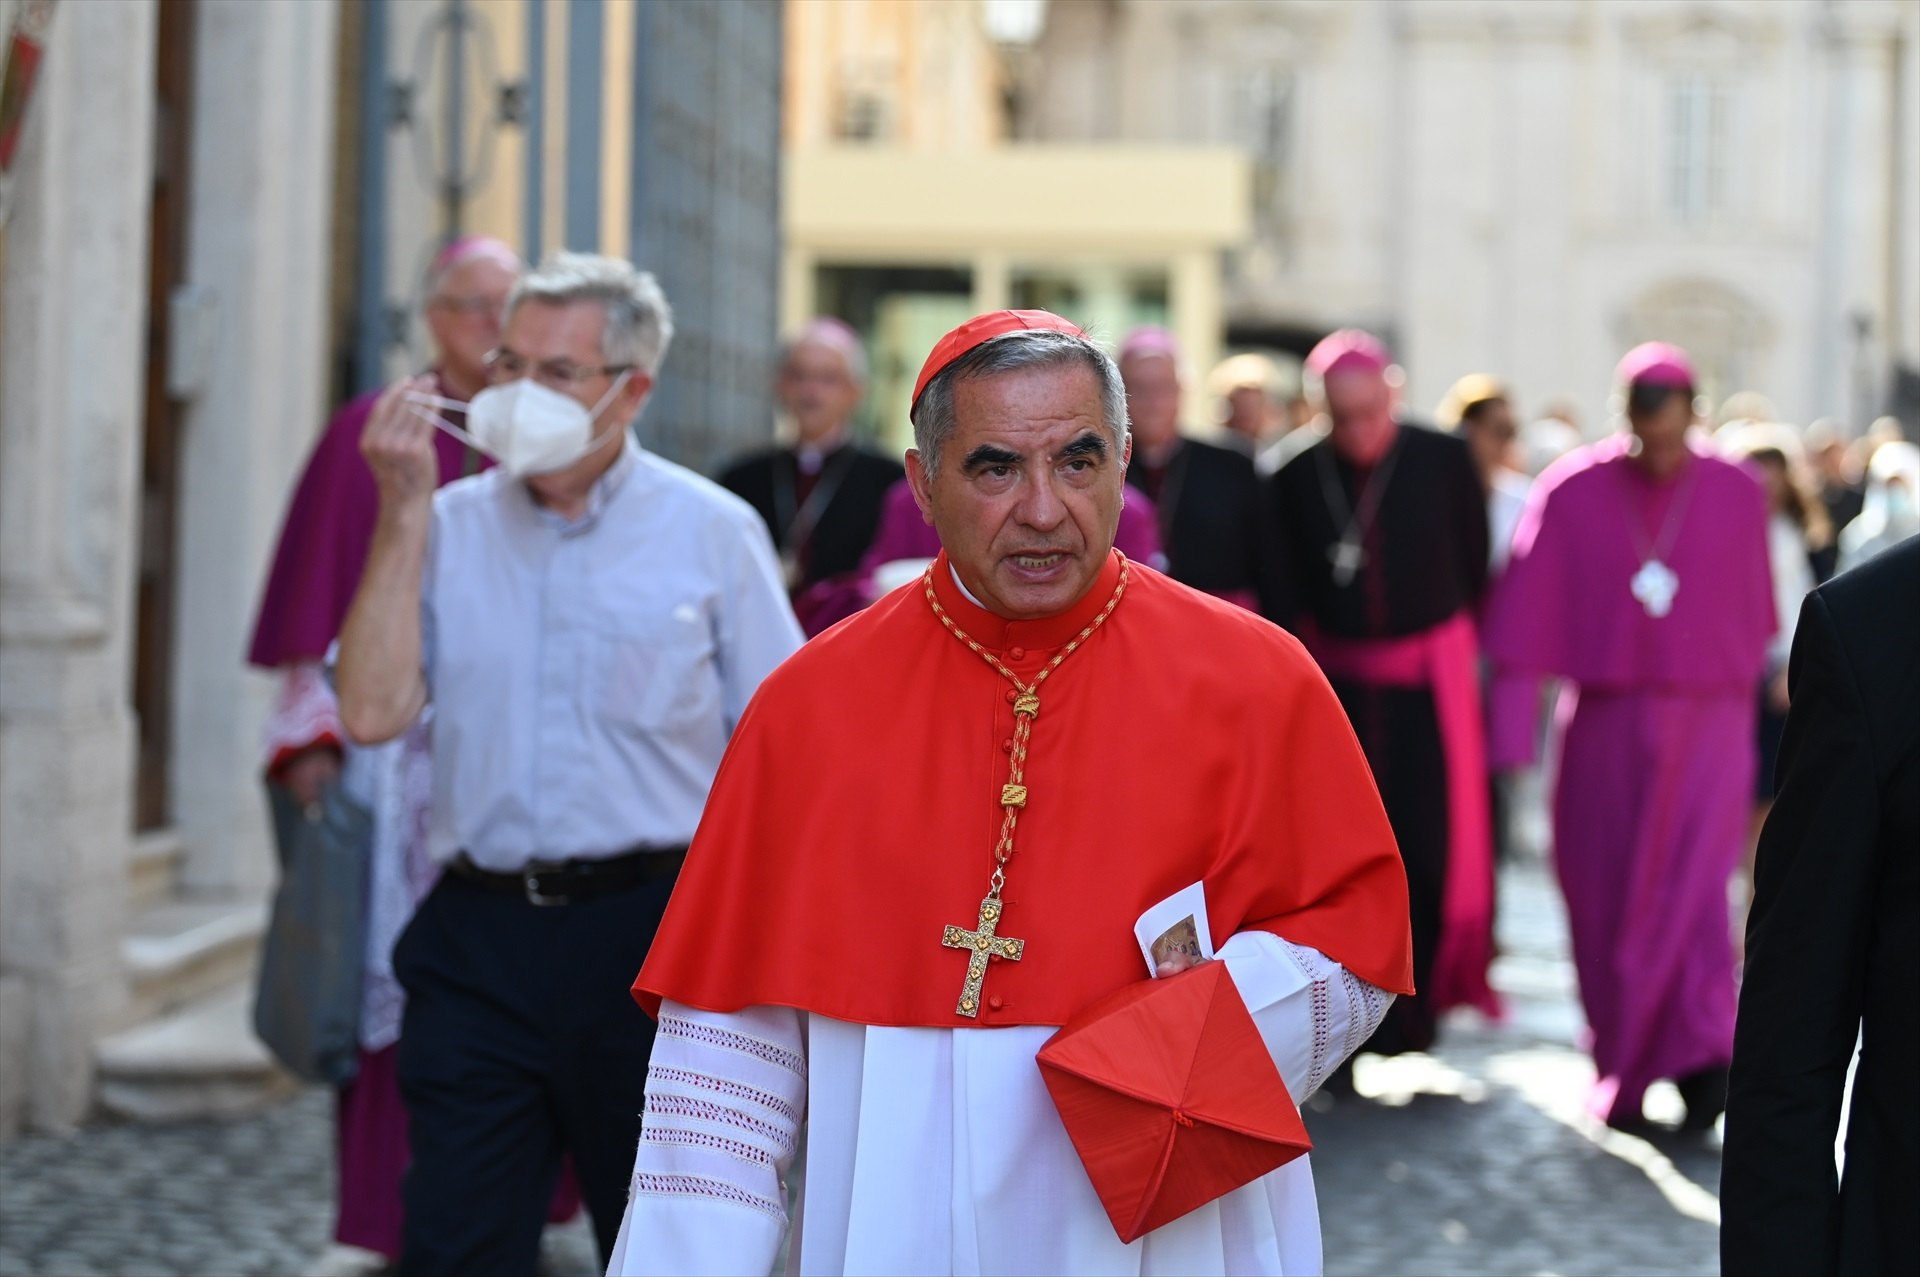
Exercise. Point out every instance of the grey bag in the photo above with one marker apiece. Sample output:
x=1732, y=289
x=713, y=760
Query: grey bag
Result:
x=307, y=1006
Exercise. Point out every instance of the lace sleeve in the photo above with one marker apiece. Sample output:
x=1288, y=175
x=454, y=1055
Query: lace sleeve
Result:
x=1312, y=1012
x=725, y=1098
x=304, y=715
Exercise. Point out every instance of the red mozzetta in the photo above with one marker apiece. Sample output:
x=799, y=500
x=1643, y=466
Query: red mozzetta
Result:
x=855, y=814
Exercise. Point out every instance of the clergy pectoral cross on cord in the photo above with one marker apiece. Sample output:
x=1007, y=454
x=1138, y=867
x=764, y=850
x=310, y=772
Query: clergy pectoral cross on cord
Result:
x=981, y=944
x=1347, y=557
x=1655, y=585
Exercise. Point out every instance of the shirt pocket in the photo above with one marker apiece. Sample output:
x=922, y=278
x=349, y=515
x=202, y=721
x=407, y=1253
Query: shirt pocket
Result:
x=656, y=671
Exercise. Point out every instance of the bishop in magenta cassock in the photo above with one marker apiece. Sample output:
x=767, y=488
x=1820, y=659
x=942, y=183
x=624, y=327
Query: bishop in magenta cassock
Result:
x=828, y=963
x=1377, y=557
x=1639, y=576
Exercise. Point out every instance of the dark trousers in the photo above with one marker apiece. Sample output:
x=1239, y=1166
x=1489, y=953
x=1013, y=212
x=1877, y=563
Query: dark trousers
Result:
x=1399, y=729
x=520, y=1041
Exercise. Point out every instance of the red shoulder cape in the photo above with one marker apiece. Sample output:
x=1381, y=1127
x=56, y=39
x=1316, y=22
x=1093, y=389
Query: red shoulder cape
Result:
x=855, y=812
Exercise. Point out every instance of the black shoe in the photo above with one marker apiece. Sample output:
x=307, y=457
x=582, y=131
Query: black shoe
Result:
x=1705, y=1095
x=1637, y=1125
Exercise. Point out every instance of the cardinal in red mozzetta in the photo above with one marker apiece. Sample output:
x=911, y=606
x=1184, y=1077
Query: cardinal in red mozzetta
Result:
x=928, y=847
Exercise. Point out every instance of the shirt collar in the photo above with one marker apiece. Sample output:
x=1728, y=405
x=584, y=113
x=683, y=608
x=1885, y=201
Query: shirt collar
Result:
x=1043, y=634
x=604, y=490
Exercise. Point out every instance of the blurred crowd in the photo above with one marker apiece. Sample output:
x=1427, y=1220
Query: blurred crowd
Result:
x=1474, y=579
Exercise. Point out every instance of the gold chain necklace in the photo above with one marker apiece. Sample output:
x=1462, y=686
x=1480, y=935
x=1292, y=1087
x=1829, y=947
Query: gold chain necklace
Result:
x=983, y=942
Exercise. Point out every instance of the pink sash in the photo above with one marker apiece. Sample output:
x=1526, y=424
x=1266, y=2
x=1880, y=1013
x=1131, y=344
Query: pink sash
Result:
x=1446, y=659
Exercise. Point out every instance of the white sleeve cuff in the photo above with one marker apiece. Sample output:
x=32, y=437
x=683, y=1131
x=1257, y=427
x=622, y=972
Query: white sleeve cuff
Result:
x=1311, y=1012
x=725, y=1098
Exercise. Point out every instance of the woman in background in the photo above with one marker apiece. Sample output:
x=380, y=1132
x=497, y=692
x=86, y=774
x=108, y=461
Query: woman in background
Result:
x=1799, y=532
x=1890, y=511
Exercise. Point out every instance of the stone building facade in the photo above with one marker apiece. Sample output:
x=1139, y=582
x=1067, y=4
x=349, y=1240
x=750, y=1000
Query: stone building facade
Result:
x=1527, y=187
x=220, y=212
x=104, y=924
x=908, y=206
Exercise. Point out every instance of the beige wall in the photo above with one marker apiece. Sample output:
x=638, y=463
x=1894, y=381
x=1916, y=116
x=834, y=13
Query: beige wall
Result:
x=926, y=70
x=1088, y=212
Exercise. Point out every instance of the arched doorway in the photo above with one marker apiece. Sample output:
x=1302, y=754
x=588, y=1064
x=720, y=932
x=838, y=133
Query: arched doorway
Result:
x=1725, y=332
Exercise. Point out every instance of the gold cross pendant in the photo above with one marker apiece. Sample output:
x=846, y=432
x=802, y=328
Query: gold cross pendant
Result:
x=980, y=945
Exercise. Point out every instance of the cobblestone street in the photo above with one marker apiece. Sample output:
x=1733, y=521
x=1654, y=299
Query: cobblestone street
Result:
x=1481, y=1158
x=211, y=1199
x=1478, y=1159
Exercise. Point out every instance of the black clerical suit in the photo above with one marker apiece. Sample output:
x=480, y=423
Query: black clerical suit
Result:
x=1425, y=560
x=832, y=514
x=1833, y=951
x=1207, y=501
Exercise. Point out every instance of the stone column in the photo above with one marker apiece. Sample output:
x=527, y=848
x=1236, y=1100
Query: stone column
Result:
x=798, y=267
x=1904, y=206
x=72, y=364
x=264, y=95
x=1195, y=306
x=992, y=281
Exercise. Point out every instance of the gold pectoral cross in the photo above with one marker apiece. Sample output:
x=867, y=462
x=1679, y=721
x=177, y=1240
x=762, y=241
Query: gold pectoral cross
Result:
x=981, y=944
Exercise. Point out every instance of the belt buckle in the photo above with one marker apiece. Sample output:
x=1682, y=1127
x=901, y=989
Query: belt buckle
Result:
x=530, y=879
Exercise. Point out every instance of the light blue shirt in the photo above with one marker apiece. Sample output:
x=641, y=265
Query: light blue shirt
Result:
x=585, y=676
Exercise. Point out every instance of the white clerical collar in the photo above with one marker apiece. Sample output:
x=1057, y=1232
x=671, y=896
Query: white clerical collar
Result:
x=810, y=457
x=964, y=590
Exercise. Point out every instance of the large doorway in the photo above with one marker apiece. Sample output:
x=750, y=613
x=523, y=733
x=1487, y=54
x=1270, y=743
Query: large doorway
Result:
x=902, y=310
x=160, y=459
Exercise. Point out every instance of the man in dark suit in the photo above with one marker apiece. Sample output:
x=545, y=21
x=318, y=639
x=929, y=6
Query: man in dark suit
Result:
x=1206, y=496
x=1833, y=951
x=821, y=496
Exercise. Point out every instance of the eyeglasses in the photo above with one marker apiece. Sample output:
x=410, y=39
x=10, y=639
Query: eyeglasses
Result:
x=556, y=374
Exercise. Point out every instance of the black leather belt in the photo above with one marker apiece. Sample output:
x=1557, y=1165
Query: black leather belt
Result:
x=559, y=882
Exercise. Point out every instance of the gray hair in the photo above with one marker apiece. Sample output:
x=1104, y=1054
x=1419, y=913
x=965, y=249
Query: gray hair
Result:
x=639, y=321
x=934, y=420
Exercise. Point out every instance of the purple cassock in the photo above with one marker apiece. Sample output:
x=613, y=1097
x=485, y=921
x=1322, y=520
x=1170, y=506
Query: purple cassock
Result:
x=329, y=528
x=1653, y=600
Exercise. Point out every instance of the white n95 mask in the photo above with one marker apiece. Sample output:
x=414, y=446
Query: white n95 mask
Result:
x=530, y=429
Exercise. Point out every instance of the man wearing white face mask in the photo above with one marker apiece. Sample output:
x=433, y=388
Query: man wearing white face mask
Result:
x=615, y=613
x=315, y=571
